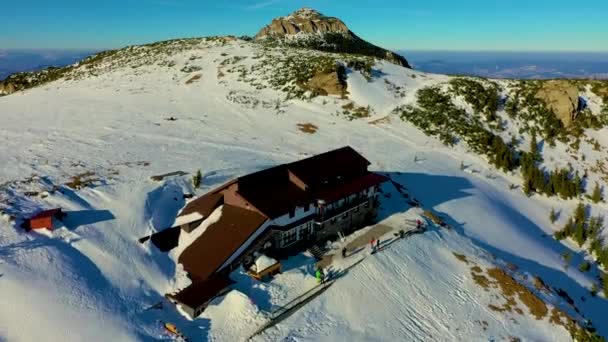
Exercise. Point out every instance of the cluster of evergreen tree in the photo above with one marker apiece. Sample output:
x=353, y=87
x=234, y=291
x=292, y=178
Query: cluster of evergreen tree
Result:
x=558, y=182
x=436, y=115
x=582, y=228
x=484, y=99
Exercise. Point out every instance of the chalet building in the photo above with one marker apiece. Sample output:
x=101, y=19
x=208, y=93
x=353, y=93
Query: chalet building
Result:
x=276, y=212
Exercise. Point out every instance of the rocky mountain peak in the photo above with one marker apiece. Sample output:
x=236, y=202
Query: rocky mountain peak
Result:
x=309, y=28
x=302, y=21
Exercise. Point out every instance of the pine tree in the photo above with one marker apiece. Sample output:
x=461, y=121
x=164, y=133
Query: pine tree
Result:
x=579, y=234
x=596, y=196
x=579, y=214
x=595, y=226
x=528, y=188
x=534, y=149
x=553, y=215
x=196, y=180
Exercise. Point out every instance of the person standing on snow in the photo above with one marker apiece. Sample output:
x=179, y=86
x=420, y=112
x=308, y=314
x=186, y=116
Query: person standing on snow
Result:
x=343, y=252
x=372, y=243
x=378, y=244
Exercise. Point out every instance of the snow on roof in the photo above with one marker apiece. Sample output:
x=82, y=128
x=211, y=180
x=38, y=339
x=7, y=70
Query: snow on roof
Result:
x=263, y=262
x=186, y=239
x=194, y=216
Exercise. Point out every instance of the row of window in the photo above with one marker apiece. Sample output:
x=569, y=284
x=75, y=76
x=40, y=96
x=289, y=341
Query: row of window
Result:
x=292, y=212
x=295, y=234
x=355, y=210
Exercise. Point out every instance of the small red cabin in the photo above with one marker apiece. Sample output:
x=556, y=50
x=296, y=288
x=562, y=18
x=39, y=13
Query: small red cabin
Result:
x=44, y=219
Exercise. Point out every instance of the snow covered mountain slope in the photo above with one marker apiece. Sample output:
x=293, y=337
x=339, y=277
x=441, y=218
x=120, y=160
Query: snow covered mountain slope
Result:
x=229, y=107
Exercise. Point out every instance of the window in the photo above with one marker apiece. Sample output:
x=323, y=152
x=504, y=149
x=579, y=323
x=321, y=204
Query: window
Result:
x=292, y=213
x=289, y=237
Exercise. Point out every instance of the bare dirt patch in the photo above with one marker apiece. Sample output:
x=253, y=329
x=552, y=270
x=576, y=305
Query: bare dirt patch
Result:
x=380, y=121
x=308, y=128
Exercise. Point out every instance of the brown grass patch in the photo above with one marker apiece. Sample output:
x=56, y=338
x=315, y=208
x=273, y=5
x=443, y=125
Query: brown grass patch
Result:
x=481, y=280
x=476, y=269
x=82, y=180
x=308, y=128
x=461, y=257
x=540, y=285
x=356, y=112
x=349, y=106
x=194, y=78
x=431, y=216
x=510, y=287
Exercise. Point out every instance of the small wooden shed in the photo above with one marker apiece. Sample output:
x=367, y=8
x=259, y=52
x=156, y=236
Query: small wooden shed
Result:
x=44, y=219
x=263, y=267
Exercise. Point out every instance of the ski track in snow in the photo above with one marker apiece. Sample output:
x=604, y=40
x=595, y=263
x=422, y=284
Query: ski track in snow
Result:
x=91, y=280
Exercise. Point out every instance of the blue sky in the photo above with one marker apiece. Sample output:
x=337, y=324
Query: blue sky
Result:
x=516, y=25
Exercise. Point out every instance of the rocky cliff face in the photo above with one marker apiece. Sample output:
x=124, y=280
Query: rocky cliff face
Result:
x=6, y=88
x=562, y=98
x=302, y=21
x=311, y=29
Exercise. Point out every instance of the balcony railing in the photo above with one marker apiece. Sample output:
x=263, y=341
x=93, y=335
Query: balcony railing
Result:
x=328, y=214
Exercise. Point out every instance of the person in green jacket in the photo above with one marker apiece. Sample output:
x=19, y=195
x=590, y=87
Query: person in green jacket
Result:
x=320, y=276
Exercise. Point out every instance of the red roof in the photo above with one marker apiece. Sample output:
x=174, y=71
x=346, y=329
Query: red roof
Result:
x=219, y=241
x=327, y=167
x=46, y=213
x=199, y=293
x=350, y=187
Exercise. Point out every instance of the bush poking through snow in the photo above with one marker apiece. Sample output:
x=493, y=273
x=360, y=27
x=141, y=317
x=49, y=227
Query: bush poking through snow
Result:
x=552, y=215
x=585, y=266
x=596, y=196
x=196, y=179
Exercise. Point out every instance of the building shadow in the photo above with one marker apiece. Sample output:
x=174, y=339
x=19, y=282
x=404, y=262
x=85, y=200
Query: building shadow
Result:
x=74, y=219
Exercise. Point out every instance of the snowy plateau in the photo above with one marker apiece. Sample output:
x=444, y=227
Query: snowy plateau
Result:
x=89, y=142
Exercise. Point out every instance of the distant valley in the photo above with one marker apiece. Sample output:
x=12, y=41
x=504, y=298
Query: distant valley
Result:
x=519, y=65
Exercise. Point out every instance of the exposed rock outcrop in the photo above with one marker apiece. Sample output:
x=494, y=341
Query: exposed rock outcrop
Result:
x=327, y=83
x=562, y=98
x=311, y=29
x=304, y=20
x=7, y=88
